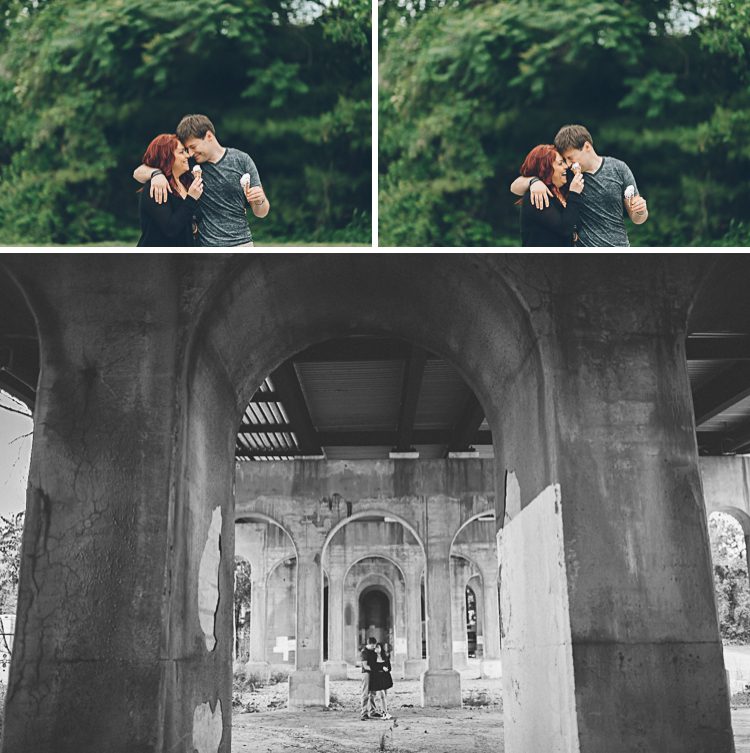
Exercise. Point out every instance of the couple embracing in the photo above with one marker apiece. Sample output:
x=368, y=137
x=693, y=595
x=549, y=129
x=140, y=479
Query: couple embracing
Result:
x=571, y=196
x=196, y=192
x=376, y=679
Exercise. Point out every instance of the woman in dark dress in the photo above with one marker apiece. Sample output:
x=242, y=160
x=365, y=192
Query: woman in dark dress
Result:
x=171, y=223
x=554, y=225
x=380, y=677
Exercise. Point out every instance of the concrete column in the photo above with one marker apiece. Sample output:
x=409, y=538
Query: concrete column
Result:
x=398, y=649
x=609, y=621
x=336, y=667
x=458, y=615
x=441, y=684
x=490, y=665
x=308, y=684
x=257, y=663
x=414, y=664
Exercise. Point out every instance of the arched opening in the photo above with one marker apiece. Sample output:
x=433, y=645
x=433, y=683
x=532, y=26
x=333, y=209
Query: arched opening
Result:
x=730, y=566
x=472, y=628
x=374, y=616
x=474, y=552
x=349, y=309
x=19, y=368
x=268, y=585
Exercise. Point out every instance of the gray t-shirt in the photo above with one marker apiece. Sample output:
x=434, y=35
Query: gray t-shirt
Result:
x=602, y=218
x=222, y=210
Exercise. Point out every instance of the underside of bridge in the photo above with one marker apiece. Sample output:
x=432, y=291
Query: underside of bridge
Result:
x=374, y=434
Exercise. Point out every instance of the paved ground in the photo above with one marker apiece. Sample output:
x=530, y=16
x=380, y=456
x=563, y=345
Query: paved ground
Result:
x=477, y=727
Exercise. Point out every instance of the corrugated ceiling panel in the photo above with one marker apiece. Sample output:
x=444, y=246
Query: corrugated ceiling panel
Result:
x=701, y=372
x=442, y=397
x=352, y=395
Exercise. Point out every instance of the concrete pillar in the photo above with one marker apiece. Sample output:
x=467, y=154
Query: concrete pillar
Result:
x=308, y=684
x=490, y=665
x=108, y=543
x=609, y=621
x=414, y=664
x=336, y=667
x=257, y=663
x=441, y=684
x=458, y=614
x=398, y=649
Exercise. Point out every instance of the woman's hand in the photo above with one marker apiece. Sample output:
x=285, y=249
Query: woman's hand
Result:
x=196, y=188
x=576, y=185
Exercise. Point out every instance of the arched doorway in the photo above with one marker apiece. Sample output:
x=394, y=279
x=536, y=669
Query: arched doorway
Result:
x=375, y=616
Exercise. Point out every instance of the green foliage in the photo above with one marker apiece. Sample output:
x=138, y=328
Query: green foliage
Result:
x=11, y=534
x=467, y=89
x=86, y=84
x=730, y=577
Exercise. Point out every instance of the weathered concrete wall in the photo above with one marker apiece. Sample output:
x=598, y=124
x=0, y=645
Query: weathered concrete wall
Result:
x=726, y=487
x=646, y=649
x=88, y=657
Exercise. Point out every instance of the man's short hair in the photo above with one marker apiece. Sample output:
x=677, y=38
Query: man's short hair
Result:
x=194, y=127
x=570, y=137
x=371, y=640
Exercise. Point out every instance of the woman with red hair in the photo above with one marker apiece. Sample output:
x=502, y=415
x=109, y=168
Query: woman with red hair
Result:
x=170, y=223
x=554, y=225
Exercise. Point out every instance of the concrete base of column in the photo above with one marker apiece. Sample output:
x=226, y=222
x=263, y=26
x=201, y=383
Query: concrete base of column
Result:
x=442, y=688
x=412, y=669
x=308, y=688
x=261, y=669
x=336, y=670
x=491, y=668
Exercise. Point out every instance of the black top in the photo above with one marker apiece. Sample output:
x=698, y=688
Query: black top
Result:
x=380, y=679
x=551, y=226
x=168, y=224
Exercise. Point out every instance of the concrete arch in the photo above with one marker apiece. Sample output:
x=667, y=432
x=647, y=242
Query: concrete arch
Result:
x=259, y=517
x=277, y=564
x=738, y=514
x=476, y=570
x=373, y=514
x=468, y=522
x=375, y=556
x=486, y=332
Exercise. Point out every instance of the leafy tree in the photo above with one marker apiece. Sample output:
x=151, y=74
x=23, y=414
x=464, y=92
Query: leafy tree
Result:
x=11, y=534
x=242, y=598
x=86, y=84
x=730, y=577
x=468, y=88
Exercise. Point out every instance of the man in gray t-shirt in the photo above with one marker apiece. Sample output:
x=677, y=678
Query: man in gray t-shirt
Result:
x=222, y=210
x=609, y=190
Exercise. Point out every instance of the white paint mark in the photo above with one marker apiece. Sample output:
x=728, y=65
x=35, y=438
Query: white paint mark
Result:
x=208, y=581
x=284, y=645
x=207, y=728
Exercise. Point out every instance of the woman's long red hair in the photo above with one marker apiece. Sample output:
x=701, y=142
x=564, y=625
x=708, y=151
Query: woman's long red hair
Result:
x=160, y=154
x=539, y=163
